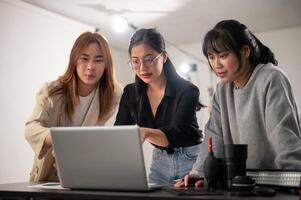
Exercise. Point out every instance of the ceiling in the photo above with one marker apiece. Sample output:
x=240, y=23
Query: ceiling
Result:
x=182, y=22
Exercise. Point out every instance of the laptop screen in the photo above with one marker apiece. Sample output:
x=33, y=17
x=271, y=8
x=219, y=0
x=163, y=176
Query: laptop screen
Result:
x=109, y=158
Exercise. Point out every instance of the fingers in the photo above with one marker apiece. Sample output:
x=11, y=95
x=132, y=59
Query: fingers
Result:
x=48, y=140
x=190, y=181
x=54, y=165
x=199, y=183
x=179, y=184
x=54, y=161
x=186, y=180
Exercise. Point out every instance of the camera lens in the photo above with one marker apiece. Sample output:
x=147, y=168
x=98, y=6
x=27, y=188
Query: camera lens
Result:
x=233, y=163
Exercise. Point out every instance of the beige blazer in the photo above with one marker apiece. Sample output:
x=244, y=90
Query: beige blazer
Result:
x=47, y=113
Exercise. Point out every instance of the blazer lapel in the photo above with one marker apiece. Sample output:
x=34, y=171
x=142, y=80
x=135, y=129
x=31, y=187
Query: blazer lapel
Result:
x=92, y=114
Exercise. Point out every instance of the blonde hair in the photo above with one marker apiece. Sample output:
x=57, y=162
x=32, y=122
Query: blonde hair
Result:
x=68, y=82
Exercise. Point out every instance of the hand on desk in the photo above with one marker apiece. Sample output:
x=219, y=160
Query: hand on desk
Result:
x=54, y=165
x=190, y=181
x=54, y=161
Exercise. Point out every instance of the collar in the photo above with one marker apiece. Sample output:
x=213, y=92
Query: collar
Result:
x=170, y=90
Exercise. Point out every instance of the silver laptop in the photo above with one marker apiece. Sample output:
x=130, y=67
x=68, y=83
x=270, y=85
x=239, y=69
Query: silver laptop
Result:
x=105, y=158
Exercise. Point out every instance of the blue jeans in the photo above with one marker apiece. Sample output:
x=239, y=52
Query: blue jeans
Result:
x=167, y=167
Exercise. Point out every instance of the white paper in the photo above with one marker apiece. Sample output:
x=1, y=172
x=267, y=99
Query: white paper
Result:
x=49, y=185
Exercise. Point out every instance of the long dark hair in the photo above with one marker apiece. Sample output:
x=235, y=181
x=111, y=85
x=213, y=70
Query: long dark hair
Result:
x=233, y=35
x=155, y=40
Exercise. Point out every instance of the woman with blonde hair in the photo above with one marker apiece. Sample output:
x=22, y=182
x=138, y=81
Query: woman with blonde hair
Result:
x=87, y=94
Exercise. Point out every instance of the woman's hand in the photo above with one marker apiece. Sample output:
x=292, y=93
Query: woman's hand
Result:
x=190, y=181
x=154, y=136
x=54, y=161
x=48, y=140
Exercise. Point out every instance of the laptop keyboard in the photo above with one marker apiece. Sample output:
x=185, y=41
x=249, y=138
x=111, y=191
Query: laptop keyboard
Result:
x=192, y=191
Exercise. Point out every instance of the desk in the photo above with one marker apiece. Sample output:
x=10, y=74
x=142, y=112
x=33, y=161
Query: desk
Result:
x=22, y=191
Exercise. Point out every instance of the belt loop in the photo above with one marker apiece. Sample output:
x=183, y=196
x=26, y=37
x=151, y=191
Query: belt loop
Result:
x=170, y=151
x=181, y=149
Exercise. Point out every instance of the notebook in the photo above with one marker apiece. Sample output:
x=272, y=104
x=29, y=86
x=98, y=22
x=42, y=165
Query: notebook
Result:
x=100, y=158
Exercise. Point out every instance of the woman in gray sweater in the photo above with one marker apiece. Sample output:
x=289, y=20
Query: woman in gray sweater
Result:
x=253, y=104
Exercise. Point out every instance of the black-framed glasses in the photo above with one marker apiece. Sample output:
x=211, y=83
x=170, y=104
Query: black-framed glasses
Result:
x=147, y=60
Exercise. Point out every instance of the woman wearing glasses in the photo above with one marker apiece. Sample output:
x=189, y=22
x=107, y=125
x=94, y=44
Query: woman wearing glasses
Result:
x=164, y=105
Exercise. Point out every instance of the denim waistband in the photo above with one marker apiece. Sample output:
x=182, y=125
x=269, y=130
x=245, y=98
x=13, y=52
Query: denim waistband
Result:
x=176, y=149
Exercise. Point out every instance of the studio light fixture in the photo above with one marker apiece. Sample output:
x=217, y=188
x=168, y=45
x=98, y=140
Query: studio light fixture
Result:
x=185, y=68
x=120, y=24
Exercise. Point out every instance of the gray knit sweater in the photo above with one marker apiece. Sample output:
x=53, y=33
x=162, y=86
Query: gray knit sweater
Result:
x=263, y=114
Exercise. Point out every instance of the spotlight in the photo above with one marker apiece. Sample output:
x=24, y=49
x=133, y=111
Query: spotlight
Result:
x=185, y=68
x=120, y=24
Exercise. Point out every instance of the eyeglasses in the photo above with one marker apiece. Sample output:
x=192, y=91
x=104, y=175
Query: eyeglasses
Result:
x=147, y=60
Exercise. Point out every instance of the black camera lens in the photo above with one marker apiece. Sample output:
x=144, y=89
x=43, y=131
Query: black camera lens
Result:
x=233, y=163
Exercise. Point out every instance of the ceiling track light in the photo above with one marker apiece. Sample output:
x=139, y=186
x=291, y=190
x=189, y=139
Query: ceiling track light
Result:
x=120, y=24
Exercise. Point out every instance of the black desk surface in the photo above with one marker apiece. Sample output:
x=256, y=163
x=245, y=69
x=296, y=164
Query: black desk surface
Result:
x=22, y=190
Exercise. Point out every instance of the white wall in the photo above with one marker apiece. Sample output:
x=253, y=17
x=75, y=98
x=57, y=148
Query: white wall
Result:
x=35, y=46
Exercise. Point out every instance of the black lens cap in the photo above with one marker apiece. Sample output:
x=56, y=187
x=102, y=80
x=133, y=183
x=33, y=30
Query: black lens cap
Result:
x=242, y=183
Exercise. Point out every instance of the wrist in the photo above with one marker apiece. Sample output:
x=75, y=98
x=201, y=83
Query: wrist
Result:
x=147, y=133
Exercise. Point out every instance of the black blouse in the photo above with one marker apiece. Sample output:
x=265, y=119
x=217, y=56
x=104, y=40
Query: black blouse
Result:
x=175, y=115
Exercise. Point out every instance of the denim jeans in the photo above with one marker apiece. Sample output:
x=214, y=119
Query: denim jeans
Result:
x=167, y=167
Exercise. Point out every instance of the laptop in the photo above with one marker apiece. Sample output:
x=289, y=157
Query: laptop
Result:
x=100, y=158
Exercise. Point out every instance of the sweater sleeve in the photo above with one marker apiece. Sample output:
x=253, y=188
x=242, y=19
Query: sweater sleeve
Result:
x=181, y=126
x=213, y=129
x=282, y=122
x=35, y=128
